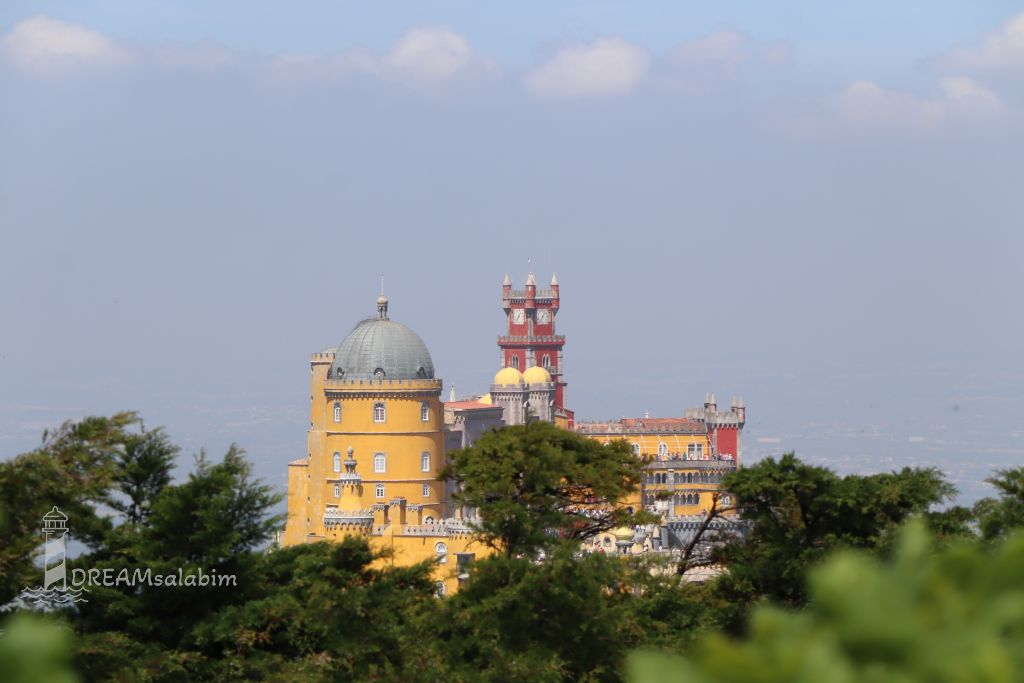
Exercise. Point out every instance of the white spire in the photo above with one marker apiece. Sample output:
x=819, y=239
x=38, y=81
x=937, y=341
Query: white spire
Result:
x=554, y=279
x=451, y=394
x=506, y=281
x=530, y=280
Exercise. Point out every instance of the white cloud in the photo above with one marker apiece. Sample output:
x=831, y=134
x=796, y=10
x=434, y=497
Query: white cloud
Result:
x=1000, y=49
x=607, y=66
x=430, y=54
x=44, y=45
x=868, y=104
x=422, y=56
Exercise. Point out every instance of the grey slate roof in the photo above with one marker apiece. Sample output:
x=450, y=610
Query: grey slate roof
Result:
x=378, y=345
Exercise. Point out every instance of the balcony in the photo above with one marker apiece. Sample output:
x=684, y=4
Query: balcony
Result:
x=726, y=465
x=335, y=517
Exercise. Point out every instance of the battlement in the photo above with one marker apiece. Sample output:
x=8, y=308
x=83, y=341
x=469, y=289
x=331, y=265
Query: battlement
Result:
x=382, y=384
x=523, y=339
x=521, y=294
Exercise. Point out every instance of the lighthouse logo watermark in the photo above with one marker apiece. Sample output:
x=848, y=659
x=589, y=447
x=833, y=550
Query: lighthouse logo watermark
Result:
x=55, y=593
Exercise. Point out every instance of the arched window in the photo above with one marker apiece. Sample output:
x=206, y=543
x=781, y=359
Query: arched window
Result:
x=424, y=412
x=636, y=449
x=425, y=461
x=662, y=449
x=380, y=412
x=337, y=411
x=380, y=462
x=689, y=477
x=439, y=589
x=337, y=462
x=337, y=491
x=379, y=491
x=441, y=553
x=428, y=520
x=545, y=360
x=515, y=362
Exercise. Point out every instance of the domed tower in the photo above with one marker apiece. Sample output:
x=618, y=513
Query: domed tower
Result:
x=376, y=436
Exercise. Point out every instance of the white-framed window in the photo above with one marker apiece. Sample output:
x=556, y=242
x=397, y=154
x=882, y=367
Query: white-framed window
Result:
x=426, y=490
x=545, y=360
x=425, y=462
x=662, y=449
x=424, y=412
x=636, y=449
x=337, y=462
x=379, y=490
x=439, y=589
x=380, y=462
x=337, y=490
x=337, y=411
x=441, y=553
x=380, y=412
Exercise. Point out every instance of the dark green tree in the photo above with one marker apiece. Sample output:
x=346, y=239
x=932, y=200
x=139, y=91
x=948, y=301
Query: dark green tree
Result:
x=563, y=619
x=74, y=469
x=997, y=517
x=212, y=523
x=796, y=513
x=535, y=485
x=144, y=469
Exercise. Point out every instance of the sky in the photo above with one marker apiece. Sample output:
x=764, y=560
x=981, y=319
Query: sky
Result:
x=816, y=208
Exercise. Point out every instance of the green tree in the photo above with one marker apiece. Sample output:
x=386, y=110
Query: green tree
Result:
x=933, y=614
x=144, y=470
x=74, y=469
x=1000, y=516
x=212, y=522
x=535, y=485
x=796, y=513
x=317, y=612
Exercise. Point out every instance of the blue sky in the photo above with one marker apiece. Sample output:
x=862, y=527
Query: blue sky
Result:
x=816, y=208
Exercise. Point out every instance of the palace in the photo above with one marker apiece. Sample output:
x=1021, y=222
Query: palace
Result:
x=379, y=434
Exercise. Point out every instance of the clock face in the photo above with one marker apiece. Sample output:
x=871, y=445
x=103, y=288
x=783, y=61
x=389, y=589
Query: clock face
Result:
x=543, y=316
x=518, y=316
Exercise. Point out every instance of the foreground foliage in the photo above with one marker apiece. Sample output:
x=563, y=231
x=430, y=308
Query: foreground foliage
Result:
x=536, y=612
x=928, y=616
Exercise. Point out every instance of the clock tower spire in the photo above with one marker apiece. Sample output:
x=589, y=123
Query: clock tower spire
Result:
x=530, y=338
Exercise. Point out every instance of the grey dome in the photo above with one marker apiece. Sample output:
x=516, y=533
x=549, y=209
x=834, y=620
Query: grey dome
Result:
x=379, y=348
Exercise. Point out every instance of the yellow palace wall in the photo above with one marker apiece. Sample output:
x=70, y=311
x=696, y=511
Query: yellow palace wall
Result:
x=646, y=446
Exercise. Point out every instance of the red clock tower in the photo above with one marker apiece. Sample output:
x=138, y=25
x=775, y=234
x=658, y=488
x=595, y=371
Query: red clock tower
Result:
x=530, y=337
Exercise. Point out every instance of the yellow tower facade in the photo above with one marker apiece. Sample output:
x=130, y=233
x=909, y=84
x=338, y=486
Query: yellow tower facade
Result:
x=375, y=448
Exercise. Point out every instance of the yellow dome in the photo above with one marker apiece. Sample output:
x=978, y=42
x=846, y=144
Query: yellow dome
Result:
x=508, y=376
x=536, y=375
x=623, y=534
x=486, y=398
